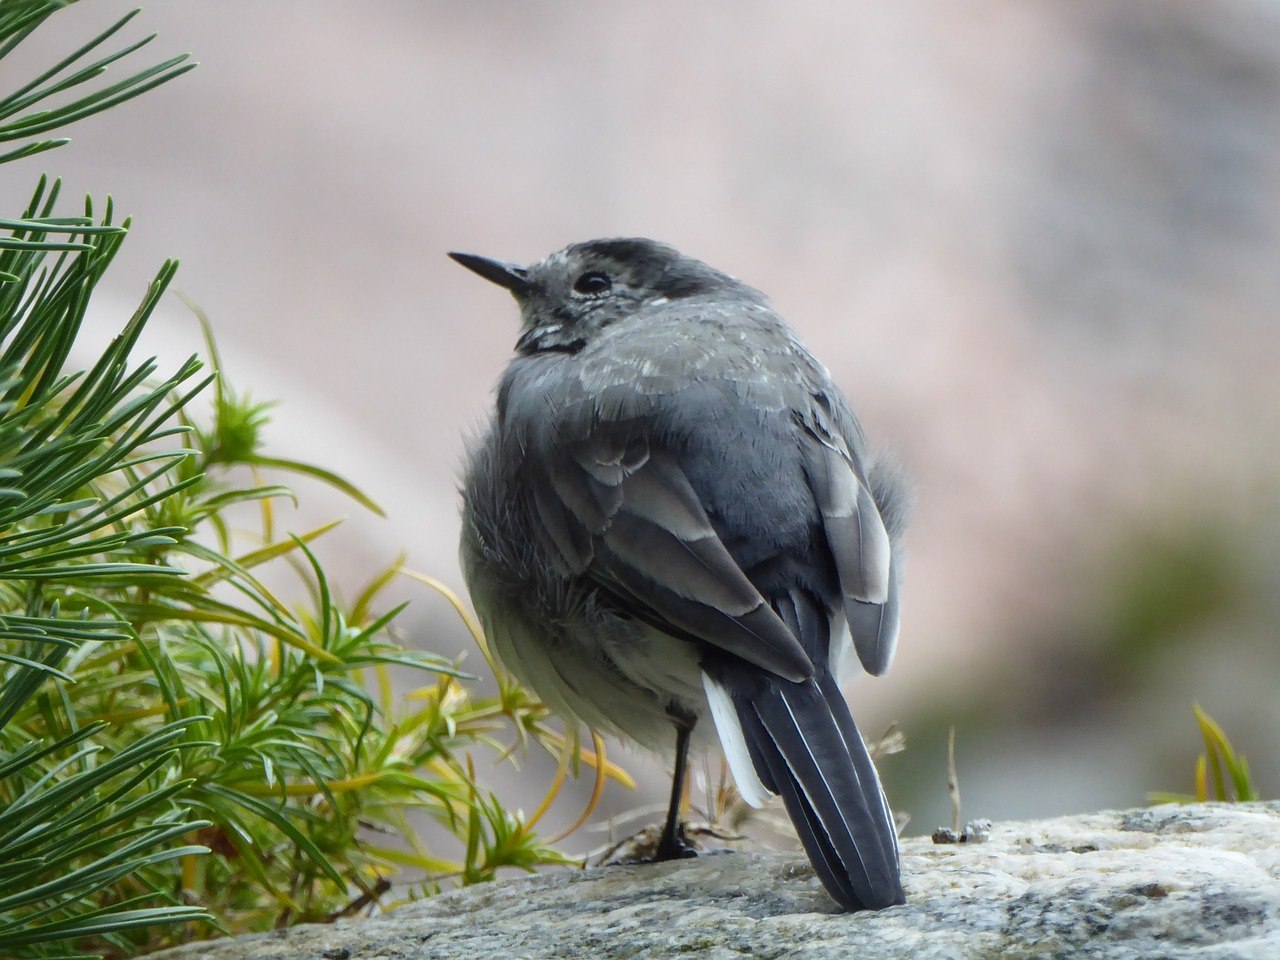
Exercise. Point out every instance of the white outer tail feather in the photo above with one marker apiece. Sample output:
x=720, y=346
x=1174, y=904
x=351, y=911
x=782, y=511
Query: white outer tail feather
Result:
x=840, y=652
x=734, y=744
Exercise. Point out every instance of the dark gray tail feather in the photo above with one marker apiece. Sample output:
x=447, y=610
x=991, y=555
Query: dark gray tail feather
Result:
x=805, y=747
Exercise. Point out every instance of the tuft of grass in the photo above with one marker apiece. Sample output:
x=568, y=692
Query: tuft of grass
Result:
x=1220, y=772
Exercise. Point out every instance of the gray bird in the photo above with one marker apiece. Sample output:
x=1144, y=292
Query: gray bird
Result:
x=673, y=517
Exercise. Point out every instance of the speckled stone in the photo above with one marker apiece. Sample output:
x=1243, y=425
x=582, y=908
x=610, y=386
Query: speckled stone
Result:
x=1165, y=883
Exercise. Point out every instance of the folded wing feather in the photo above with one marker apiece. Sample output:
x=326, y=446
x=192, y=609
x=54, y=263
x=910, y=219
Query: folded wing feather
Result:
x=627, y=515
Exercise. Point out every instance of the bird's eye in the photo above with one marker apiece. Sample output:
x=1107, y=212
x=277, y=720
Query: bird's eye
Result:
x=592, y=282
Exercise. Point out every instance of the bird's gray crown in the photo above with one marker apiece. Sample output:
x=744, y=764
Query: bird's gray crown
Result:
x=566, y=298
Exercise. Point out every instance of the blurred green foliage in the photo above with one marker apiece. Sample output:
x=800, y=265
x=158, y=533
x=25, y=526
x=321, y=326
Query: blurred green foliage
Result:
x=1146, y=634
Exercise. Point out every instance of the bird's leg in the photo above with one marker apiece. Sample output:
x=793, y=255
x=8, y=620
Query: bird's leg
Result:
x=673, y=845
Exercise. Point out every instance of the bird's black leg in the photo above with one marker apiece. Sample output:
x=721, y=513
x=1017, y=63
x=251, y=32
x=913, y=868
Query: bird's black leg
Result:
x=672, y=845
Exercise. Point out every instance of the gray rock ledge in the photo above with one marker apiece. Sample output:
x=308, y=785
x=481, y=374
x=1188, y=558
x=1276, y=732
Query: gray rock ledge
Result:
x=1164, y=883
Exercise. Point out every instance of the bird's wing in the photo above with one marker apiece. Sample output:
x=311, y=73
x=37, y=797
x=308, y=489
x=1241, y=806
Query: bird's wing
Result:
x=616, y=505
x=622, y=511
x=855, y=532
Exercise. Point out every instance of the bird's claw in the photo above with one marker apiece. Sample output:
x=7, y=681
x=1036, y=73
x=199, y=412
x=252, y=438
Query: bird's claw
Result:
x=674, y=846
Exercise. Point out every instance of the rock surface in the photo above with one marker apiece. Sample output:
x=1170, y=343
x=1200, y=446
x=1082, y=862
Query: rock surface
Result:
x=1199, y=881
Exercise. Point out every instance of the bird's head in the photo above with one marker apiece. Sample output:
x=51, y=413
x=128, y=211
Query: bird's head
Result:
x=568, y=297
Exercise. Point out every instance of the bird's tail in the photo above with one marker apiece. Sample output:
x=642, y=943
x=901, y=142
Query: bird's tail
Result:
x=804, y=745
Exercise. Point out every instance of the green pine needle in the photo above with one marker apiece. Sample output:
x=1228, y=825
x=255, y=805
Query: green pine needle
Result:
x=183, y=752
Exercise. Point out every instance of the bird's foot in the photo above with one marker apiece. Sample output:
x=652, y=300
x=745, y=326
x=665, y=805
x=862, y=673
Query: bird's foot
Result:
x=674, y=845
x=691, y=840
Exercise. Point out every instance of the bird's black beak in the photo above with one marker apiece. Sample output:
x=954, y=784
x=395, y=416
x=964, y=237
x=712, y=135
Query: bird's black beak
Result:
x=512, y=276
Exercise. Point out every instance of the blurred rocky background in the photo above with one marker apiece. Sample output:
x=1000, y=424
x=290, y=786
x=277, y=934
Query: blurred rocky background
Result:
x=1038, y=243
